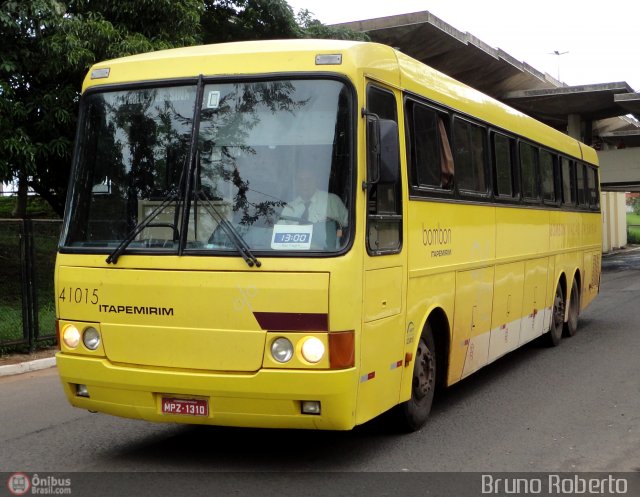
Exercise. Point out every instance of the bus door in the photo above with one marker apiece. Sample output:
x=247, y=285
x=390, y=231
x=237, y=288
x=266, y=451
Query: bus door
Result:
x=382, y=344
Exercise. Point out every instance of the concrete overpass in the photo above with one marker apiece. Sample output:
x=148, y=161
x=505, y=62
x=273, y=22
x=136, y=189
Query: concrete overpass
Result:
x=605, y=115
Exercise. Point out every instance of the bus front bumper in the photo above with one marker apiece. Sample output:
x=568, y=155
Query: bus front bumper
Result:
x=264, y=399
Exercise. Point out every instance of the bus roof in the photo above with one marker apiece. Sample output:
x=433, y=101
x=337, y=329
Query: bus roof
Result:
x=248, y=57
x=358, y=58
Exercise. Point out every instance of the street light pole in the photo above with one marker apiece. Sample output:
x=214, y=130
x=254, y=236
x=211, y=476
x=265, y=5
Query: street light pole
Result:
x=558, y=54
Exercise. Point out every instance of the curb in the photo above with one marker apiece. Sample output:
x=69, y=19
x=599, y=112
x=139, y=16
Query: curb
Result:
x=624, y=250
x=25, y=367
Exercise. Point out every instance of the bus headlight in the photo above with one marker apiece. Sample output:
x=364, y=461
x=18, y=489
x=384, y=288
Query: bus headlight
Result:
x=91, y=338
x=313, y=349
x=282, y=350
x=71, y=336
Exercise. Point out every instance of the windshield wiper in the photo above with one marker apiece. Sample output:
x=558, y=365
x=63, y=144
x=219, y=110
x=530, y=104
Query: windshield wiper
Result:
x=113, y=256
x=232, y=233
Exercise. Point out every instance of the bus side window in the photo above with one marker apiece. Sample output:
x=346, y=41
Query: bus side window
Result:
x=469, y=156
x=528, y=171
x=384, y=206
x=503, y=161
x=568, y=182
x=547, y=172
x=596, y=188
x=580, y=180
x=431, y=157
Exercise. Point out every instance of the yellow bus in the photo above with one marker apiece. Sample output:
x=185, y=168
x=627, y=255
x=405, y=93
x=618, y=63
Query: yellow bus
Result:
x=307, y=234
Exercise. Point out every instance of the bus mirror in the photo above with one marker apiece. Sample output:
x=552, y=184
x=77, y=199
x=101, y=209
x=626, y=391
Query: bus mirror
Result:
x=389, y=151
x=383, y=151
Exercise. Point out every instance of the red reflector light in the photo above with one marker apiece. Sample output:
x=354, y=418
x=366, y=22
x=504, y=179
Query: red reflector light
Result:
x=341, y=350
x=292, y=321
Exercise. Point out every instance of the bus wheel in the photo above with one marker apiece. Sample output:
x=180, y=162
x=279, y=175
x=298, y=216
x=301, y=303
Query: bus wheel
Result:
x=416, y=410
x=557, y=319
x=571, y=326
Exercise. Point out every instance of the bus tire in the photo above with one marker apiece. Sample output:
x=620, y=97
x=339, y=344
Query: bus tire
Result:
x=571, y=326
x=415, y=411
x=554, y=335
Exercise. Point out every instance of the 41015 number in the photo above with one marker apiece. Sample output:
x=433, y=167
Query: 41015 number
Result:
x=79, y=295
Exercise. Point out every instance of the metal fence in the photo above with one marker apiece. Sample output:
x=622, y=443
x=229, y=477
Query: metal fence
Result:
x=27, y=299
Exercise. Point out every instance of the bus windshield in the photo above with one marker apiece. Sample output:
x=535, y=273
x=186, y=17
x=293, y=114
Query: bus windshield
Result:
x=185, y=169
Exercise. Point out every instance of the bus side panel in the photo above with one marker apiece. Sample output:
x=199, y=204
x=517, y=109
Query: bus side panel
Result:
x=592, y=236
x=449, y=236
x=591, y=280
x=570, y=233
x=381, y=367
x=534, y=300
x=472, y=319
x=507, y=309
x=521, y=233
x=458, y=238
x=382, y=346
x=564, y=237
x=447, y=239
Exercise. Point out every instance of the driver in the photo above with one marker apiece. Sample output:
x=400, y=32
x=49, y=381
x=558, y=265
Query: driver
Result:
x=313, y=205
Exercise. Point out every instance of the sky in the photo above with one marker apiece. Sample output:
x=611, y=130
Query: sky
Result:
x=600, y=38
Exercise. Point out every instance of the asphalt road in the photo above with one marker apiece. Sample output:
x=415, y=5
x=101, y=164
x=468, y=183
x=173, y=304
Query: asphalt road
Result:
x=575, y=407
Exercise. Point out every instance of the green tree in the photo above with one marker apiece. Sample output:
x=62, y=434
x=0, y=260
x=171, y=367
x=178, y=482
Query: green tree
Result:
x=25, y=110
x=310, y=27
x=47, y=46
x=234, y=20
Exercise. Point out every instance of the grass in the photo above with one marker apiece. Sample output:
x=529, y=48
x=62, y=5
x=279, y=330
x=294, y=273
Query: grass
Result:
x=45, y=241
x=10, y=322
x=633, y=232
x=37, y=208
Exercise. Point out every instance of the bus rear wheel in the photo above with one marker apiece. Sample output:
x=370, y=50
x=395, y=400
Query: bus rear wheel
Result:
x=571, y=326
x=415, y=411
x=554, y=335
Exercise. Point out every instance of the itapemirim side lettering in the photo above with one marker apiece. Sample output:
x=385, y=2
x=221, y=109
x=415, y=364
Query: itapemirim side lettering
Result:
x=135, y=309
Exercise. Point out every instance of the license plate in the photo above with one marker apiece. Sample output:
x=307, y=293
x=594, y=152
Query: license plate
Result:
x=185, y=407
